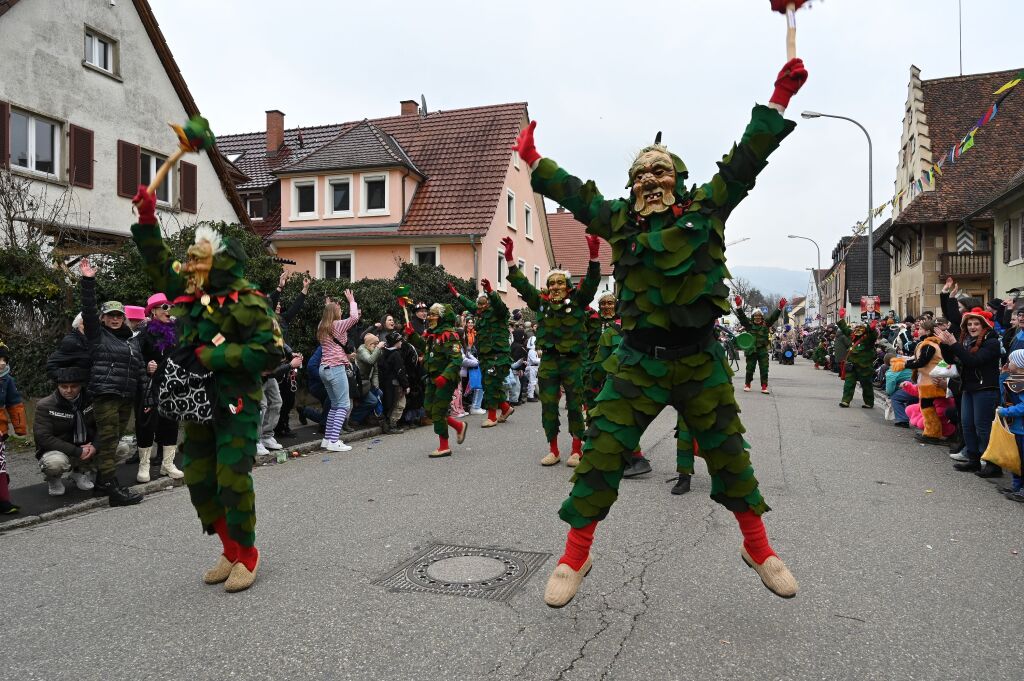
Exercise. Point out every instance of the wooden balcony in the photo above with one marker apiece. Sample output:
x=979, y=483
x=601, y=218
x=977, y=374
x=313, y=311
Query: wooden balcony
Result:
x=961, y=265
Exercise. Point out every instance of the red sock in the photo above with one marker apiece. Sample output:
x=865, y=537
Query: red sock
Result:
x=553, y=446
x=443, y=443
x=247, y=556
x=455, y=423
x=220, y=526
x=755, y=539
x=638, y=454
x=577, y=446
x=492, y=414
x=505, y=407
x=577, y=546
x=5, y=493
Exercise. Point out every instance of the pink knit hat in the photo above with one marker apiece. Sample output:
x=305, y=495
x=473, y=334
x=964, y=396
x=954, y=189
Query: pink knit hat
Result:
x=134, y=312
x=155, y=300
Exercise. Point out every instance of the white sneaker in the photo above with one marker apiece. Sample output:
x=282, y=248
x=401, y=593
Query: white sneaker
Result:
x=56, y=487
x=83, y=481
x=261, y=450
x=337, y=446
x=959, y=456
x=477, y=412
x=324, y=443
x=271, y=443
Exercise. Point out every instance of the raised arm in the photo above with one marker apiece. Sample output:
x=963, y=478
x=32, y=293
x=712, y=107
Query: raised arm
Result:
x=297, y=304
x=774, y=316
x=500, y=310
x=582, y=199
x=740, y=314
x=158, y=258
x=588, y=287
x=466, y=301
x=531, y=296
x=90, y=313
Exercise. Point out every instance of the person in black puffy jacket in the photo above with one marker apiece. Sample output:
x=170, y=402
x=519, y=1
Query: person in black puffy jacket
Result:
x=117, y=373
x=73, y=351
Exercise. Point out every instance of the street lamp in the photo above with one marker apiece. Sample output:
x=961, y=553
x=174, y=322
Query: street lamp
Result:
x=817, y=286
x=871, y=200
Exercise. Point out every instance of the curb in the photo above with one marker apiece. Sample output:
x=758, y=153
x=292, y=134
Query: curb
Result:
x=161, y=484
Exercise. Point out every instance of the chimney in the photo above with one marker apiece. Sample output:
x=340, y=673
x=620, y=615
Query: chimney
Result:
x=275, y=131
x=409, y=107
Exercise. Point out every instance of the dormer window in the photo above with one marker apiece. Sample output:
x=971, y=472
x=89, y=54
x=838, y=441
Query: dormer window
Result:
x=339, y=196
x=374, y=195
x=304, y=200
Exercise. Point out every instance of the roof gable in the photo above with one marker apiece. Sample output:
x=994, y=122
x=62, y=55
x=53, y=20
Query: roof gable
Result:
x=362, y=146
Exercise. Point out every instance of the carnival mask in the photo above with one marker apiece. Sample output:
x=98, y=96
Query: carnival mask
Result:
x=557, y=288
x=432, y=319
x=654, y=180
x=757, y=318
x=198, y=266
x=482, y=303
x=606, y=307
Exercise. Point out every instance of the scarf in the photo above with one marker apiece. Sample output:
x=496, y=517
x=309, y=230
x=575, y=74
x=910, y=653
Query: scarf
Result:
x=6, y=370
x=81, y=435
x=164, y=335
x=123, y=333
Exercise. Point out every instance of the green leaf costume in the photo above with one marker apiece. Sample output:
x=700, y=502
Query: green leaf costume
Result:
x=758, y=355
x=492, y=342
x=442, y=356
x=820, y=354
x=670, y=271
x=860, y=363
x=561, y=327
x=218, y=457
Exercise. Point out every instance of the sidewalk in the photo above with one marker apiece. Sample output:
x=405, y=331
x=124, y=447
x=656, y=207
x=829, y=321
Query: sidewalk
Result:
x=29, y=489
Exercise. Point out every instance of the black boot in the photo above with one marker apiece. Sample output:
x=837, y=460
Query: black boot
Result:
x=967, y=466
x=395, y=428
x=989, y=470
x=638, y=465
x=119, y=496
x=302, y=416
x=385, y=427
x=682, y=485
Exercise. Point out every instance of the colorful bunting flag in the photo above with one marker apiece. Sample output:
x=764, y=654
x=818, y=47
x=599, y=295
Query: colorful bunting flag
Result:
x=1012, y=84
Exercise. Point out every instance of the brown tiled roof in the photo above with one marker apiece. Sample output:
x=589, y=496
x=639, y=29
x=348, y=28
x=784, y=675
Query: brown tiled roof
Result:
x=570, y=246
x=953, y=106
x=465, y=153
x=363, y=146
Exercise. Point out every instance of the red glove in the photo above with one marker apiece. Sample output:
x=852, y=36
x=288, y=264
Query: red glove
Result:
x=145, y=203
x=524, y=144
x=791, y=78
x=738, y=300
x=507, y=244
x=842, y=312
x=486, y=285
x=440, y=381
x=408, y=330
x=454, y=291
x=594, y=245
x=782, y=304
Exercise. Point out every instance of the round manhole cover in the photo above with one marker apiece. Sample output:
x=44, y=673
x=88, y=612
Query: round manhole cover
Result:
x=466, y=569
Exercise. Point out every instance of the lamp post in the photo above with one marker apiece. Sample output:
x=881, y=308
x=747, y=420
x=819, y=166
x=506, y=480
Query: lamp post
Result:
x=871, y=200
x=817, y=285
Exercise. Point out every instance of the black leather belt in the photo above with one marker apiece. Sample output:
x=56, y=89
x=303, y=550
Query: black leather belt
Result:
x=666, y=351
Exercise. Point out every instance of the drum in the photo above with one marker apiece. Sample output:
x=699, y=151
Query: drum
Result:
x=745, y=341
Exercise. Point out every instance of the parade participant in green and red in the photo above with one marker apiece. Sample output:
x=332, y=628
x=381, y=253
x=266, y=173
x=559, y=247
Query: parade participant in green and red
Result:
x=820, y=354
x=668, y=250
x=233, y=331
x=561, y=338
x=761, y=329
x=442, y=358
x=494, y=347
x=860, y=360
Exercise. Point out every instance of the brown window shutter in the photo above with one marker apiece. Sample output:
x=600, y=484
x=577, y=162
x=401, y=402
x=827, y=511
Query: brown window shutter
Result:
x=189, y=190
x=1006, y=241
x=127, y=168
x=81, y=157
x=5, y=132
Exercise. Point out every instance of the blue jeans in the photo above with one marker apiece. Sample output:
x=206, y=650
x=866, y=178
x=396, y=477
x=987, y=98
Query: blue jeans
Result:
x=977, y=411
x=901, y=399
x=336, y=384
x=478, y=398
x=367, y=406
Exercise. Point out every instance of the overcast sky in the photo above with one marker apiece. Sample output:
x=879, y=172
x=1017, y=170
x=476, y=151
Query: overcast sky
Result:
x=601, y=78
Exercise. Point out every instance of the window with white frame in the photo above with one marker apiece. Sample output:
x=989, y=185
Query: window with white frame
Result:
x=510, y=208
x=374, y=197
x=149, y=164
x=101, y=51
x=536, y=276
x=336, y=265
x=1016, y=248
x=528, y=222
x=304, y=199
x=521, y=264
x=35, y=143
x=502, y=270
x=426, y=255
x=339, y=196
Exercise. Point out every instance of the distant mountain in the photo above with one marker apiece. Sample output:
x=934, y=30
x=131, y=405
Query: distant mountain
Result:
x=774, y=279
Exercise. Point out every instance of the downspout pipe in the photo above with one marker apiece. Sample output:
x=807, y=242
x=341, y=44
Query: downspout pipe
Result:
x=476, y=259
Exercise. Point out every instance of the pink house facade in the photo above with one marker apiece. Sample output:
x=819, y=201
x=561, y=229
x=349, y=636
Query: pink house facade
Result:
x=355, y=200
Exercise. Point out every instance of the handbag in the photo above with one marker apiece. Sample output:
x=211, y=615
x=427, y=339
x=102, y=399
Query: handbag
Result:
x=355, y=381
x=1002, y=448
x=186, y=389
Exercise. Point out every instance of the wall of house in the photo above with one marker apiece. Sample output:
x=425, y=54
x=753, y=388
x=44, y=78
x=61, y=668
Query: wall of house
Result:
x=323, y=218
x=1008, y=275
x=43, y=44
x=376, y=260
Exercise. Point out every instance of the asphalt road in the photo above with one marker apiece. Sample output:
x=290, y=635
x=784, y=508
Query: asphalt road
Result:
x=907, y=569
